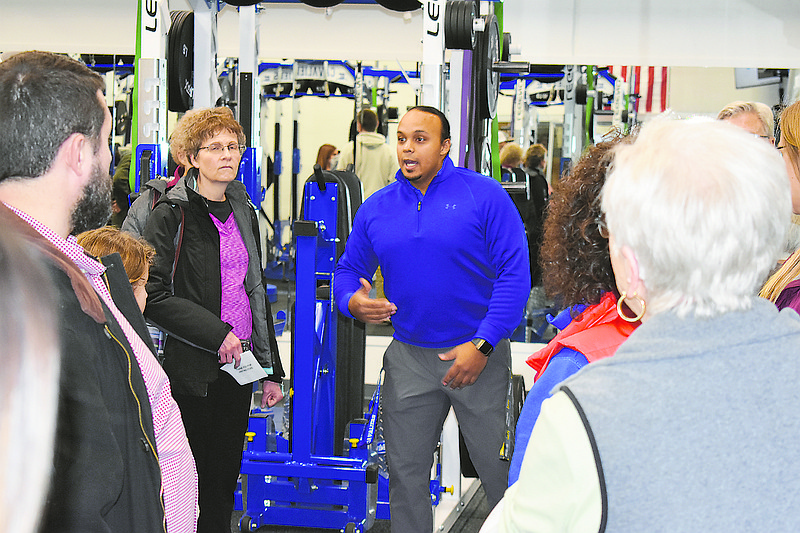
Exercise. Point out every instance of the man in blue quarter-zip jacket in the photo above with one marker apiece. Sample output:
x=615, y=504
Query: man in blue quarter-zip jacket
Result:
x=454, y=257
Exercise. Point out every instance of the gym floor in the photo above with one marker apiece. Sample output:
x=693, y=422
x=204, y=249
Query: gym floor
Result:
x=470, y=519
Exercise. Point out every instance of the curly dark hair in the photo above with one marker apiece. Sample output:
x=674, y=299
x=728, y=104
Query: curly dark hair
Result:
x=575, y=257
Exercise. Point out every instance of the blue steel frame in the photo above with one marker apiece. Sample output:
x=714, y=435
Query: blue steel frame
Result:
x=250, y=175
x=155, y=163
x=309, y=486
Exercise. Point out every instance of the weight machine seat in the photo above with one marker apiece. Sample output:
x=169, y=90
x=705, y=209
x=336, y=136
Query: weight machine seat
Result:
x=349, y=196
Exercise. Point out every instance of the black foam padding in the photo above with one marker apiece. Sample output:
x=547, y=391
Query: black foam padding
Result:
x=180, y=61
x=322, y=3
x=400, y=5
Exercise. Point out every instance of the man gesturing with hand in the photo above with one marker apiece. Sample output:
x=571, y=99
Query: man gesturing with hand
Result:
x=452, y=249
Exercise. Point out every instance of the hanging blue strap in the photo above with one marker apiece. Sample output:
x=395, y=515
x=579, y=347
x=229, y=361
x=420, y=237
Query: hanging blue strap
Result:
x=368, y=434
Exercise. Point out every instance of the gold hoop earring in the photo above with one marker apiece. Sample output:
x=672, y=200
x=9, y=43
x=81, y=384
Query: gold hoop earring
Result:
x=622, y=315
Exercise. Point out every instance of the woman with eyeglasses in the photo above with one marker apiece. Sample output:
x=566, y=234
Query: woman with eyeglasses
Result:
x=578, y=275
x=207, y=291
x=783, y=287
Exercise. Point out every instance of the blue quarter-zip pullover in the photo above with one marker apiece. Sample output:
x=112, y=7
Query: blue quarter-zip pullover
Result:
x=454, y=260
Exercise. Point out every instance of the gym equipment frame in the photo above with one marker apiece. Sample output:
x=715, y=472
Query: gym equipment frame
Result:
x=300, y=482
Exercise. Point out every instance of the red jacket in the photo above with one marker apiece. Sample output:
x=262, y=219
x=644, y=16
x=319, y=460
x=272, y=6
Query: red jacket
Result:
x=596, y=333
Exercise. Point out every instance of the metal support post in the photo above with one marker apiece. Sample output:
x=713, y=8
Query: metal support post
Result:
x=459, y=102
x=250, y=102
x=433, y=65
x=573, y=119
x=150, y=96
x=206, y=86
x=295, y=153
x=520, y=111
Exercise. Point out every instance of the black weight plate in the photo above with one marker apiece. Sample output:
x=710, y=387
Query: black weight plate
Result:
x=171, y=40
x=123, y=120
x=492, y=56
x=460, y=38
x=400, y=5
x=226, y=87
x=450, y=27
x=581, y=93
x=180, y=61
x=468, y=15
x=459, y=32
x=462, y=35
x=489, y=80
x=506, y=46
x=242, y=3
x=383, y=120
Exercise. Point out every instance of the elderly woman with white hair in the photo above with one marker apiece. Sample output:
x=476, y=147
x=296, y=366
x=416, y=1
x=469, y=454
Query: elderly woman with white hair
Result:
x=691, y=426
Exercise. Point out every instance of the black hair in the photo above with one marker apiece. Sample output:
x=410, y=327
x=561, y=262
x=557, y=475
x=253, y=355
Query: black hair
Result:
x=442, y=118
x=45, y=98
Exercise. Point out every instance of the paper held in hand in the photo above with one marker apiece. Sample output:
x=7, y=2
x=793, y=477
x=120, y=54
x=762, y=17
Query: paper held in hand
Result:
x=249, y=370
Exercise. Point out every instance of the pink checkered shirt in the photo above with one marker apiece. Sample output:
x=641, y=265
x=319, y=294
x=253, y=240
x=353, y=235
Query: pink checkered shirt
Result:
x=178, y=471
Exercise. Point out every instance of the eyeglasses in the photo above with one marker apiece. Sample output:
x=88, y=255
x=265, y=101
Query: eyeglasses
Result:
x=218, y=149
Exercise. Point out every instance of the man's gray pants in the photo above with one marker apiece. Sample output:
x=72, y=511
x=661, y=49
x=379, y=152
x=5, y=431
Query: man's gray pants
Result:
x=414, y=406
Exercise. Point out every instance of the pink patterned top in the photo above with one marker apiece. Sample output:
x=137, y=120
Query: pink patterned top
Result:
x=233, y=262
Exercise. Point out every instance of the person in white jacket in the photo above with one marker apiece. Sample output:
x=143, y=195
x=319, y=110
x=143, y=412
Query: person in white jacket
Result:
x=375, y=161
x=375, y=165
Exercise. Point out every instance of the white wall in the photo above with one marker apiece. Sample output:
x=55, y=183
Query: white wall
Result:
x=702, y=33
x=82, y=26
x=695, y=90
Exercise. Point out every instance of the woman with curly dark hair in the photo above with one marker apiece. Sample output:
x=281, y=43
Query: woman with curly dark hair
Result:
x=578, y=275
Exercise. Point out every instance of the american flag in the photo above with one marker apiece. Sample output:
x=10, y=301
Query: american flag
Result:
x=650, y=83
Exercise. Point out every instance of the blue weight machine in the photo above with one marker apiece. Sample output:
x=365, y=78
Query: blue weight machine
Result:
x=301, y=480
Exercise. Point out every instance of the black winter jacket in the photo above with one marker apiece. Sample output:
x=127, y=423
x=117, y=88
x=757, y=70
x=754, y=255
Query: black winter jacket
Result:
x=107, y=476
x=188, y=307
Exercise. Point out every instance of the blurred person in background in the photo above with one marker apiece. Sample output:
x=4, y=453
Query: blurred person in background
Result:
x=783, y=287
x=137, y=255
x=28, y=385
x=327, y=157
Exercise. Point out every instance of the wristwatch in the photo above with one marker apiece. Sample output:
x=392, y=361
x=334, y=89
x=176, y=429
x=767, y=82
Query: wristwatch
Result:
x=483, y=346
